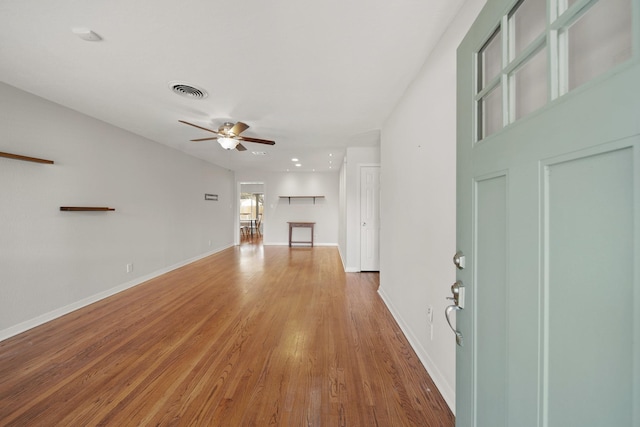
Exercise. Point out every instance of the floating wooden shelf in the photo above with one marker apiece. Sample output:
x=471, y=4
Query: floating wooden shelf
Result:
x=25, y=158
x=85, y=208
x=302, y=197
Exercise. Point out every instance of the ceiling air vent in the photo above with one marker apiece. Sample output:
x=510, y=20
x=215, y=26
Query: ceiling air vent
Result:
x=187, y=90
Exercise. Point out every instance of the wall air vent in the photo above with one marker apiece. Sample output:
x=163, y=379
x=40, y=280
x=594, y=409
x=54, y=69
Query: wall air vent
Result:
x=188, y=90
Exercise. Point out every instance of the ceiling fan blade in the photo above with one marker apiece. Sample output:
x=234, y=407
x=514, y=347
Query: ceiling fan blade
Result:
x=238, y=128
x=257, y=140
x=241, y=147
x=204, y=139
x=199, y=127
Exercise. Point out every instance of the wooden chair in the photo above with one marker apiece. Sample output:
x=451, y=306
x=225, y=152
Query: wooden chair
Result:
x=244, y=231
x=258, y=224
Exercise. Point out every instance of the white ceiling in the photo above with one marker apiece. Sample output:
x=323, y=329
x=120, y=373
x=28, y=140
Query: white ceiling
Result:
x=315, y=76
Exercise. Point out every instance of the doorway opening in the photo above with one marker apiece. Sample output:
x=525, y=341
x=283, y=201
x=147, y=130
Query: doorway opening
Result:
x=251, y=210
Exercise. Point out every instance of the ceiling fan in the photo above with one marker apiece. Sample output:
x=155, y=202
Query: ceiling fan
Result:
x=228, y=135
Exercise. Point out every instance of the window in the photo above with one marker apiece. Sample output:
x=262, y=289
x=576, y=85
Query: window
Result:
x=535, y=56
x=596, y=41
x=489, y=106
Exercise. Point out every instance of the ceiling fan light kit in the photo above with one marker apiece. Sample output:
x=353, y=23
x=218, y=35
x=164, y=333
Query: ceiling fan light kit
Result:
x=228, y=143
x=228, y=135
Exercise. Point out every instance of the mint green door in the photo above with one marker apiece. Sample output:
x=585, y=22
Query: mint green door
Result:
x=549, y=215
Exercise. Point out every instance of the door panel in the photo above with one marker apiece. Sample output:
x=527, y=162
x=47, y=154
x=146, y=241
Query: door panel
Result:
x=370, y=218
x=589, y=290
x=491, y=301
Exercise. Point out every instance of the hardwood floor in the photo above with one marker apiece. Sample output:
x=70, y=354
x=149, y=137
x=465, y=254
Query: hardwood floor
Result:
x=250, y=336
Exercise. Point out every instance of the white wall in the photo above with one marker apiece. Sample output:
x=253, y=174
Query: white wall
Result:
x=350, y=210
x=252, y=188
x=51, y=261
x=278, y=211
x=342, y=218
x=418, y=204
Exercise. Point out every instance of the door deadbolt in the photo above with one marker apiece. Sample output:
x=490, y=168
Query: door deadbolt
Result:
x=459, y=260
x=457, y=289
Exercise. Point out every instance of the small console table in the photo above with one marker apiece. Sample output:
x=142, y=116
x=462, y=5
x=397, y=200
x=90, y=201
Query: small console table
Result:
x=301, y=224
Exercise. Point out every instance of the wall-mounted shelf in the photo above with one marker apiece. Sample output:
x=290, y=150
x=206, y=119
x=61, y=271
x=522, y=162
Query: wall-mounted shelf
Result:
x=85, y=209
x=25, y=158
x=302, y=197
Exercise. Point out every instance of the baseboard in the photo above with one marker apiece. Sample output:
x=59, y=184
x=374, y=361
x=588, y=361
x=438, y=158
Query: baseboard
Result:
x=297, y=246
x=443, y=386
x=344, y=266
x=54, y=314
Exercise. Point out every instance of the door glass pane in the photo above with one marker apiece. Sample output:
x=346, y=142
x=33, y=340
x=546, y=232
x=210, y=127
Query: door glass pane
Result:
x=527, y=22
x=563, y=5
x=490, y=60
x=490, y=113
x=599, y=40
x=530, y=85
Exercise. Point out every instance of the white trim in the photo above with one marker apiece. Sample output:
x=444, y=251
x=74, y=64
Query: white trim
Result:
x=47, y=317
x=344, y=266
x=443, y=386
x=346, y=269
x=296, y=245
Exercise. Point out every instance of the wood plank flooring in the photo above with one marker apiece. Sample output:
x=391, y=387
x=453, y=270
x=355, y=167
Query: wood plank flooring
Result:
x=251, y=336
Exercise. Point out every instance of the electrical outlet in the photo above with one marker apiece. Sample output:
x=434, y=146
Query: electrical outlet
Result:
x=430, y=314
x=129, y=267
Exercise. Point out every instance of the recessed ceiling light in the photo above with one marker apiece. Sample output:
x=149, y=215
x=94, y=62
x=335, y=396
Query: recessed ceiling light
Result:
x=86, y=34
x=294, y=159
x=298, y=165
x=330, y=154
x=259, y=153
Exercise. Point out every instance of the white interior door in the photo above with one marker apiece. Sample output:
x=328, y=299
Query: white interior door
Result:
x=370, y=218
x=548, y=215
